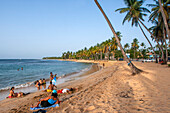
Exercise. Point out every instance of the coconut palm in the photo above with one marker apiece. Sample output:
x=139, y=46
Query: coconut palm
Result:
x=135, y=14
x=164, y=17
x=135, y=70
x=135, y=45
x=158, y=31
x=142, y=45
x=126, y=46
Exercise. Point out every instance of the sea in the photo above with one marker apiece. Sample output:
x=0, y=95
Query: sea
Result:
x=22, y=73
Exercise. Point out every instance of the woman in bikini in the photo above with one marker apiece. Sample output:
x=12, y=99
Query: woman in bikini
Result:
x=37, y=84
x=12, y=94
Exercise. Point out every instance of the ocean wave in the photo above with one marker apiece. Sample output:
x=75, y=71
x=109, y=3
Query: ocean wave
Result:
x=31, y=83
x=18, y=86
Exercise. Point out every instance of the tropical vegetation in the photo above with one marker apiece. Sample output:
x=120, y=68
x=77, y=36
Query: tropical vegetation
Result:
x=112, y=49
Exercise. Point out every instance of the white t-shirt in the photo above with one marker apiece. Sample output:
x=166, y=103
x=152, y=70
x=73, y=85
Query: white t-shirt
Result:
x=65, y=90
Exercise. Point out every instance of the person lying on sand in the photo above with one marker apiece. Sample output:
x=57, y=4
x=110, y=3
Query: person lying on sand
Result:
x=48, y=101
x=12, y=94
x=66, y=90
x=50, y=87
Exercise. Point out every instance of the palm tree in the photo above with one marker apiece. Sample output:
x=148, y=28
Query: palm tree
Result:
x=126, y=46
x=164, y=18
x=158, y=31
x=135, y=45
x=135, y=70
x=142, y=44
x=135, y=13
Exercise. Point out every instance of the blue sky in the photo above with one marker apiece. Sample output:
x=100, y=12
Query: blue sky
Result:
x=39, y=28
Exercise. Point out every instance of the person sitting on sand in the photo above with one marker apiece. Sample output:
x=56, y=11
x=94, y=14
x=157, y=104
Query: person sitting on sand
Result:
x=12, y=94
x=48, y=101
x=66, y=90
x=50, y=87
x=44, y=83
x=37, y=84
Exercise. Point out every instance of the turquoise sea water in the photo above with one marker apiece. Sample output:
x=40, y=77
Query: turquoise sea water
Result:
x=33, y=69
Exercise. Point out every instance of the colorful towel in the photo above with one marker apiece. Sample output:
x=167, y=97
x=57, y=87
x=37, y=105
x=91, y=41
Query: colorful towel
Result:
x=55, y=105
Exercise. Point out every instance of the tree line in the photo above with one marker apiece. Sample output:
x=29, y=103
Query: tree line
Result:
x=135, y=13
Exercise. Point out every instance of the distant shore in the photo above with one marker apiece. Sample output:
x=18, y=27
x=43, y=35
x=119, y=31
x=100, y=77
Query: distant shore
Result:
x=111, y=89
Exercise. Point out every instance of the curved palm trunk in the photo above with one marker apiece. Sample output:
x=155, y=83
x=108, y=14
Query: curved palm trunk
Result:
x=164, y=39
x=134, y=69
x=152, y=35
x=147, y=39
x=134, y=54
x=165, y=19
x=101, y=55
x=163, y=56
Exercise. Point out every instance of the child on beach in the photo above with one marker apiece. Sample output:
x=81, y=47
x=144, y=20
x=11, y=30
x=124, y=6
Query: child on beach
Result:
x=50, y=87
x=12, y=94
x=48, y=101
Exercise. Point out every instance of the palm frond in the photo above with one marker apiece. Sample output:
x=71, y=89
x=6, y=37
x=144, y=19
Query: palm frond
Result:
x=145, y=9
x=126, y=17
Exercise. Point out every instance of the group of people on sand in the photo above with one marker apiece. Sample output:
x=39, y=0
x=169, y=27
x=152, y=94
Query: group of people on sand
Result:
x=40, y=83
x=50, y=100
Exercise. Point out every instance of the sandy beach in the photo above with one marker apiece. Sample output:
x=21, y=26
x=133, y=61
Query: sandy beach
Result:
x=109, y=90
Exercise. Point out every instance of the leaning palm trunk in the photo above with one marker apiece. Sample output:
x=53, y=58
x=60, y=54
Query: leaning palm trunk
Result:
x=152, y=36
x=101, y=55
x=163, y=56
x=164, y=39
x=165, y=19
x=134, y=69
x=147, y=39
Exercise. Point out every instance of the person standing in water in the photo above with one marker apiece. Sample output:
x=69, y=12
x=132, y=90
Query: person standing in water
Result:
x=41, y=83
x=44, y=83
x=51, y=76
x=37, y=84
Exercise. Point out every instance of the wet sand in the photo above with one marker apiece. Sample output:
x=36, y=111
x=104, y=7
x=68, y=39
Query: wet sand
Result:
x=110, y=90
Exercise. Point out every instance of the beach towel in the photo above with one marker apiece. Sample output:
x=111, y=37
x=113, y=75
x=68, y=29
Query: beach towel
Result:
x=36, y=108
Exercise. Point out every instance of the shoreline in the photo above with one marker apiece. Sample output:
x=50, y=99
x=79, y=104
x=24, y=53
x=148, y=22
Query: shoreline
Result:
x=112, y=89
x=30, y=88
